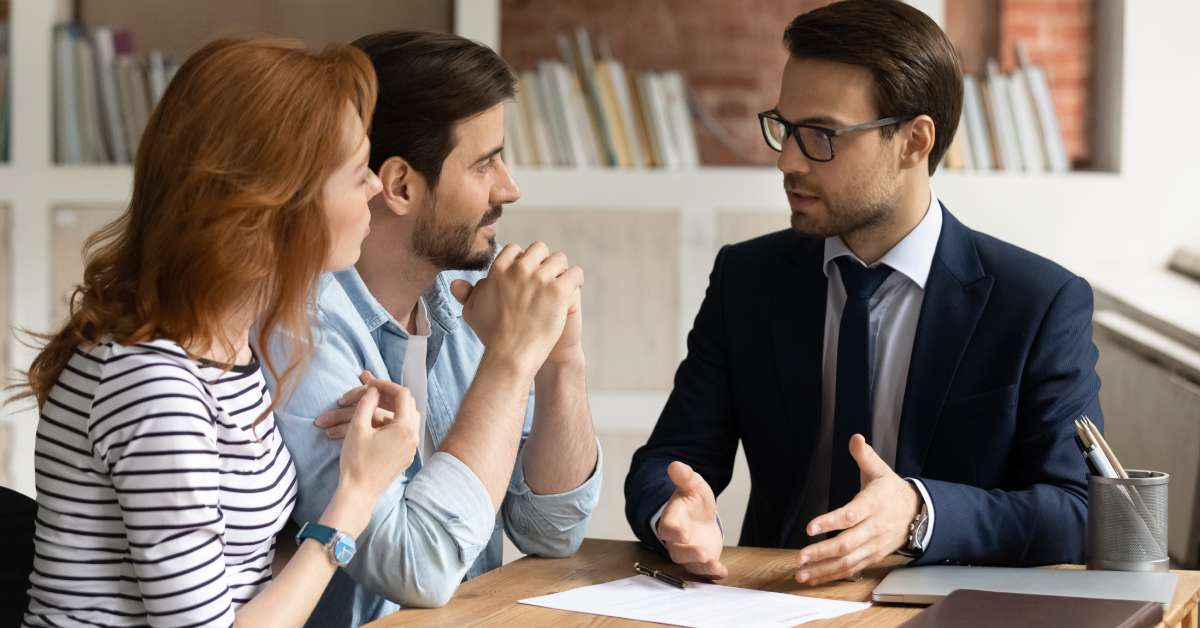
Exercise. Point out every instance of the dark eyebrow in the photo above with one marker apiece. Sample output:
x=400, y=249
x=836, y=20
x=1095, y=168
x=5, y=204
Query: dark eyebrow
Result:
x=491, y=153
x=822, y=121
x=815, y=120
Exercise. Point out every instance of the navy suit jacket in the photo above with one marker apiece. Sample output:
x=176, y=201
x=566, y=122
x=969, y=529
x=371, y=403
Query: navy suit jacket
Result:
x=1002, y=364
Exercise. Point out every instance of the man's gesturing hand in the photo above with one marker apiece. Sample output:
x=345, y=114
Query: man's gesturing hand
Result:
x=688, y=527
x=874, y=524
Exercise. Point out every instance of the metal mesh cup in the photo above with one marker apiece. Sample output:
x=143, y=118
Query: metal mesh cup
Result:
x=1127, y=522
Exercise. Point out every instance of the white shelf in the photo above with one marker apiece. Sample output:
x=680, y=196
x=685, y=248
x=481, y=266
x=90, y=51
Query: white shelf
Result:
x=726, y=188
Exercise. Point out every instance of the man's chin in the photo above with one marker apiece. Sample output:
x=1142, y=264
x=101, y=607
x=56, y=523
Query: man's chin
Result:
x=811, y=228
x=478, y=259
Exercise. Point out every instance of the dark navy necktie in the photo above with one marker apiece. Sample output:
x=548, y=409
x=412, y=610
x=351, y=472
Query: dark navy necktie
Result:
x=852, y=405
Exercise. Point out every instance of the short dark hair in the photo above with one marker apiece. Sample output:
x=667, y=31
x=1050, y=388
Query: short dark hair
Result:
x=427, y=82
x=916, y=68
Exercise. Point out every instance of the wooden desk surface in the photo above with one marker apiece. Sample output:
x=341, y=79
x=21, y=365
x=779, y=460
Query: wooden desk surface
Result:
x=490, y=600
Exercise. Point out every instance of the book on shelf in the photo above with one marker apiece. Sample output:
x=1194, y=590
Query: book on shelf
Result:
x=1008, y=122
x=1027, y=126
x=992, y=123
x=1049, y=134
x=977, y=125
x=87, y=91
x=1002, y=116
x=582, y=60
x=103, y=93
x=534, y=121
x=632, y=134
x=675, y=92
x=573, y=128
x=67, y=141
x=588, y=110
x=110, y=100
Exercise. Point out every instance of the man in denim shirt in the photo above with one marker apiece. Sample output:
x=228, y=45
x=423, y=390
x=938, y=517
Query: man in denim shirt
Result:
x=493, y=455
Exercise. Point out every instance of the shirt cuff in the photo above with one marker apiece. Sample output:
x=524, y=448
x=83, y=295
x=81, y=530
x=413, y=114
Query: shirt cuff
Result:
x=450, y=490
x=561, y=510
x=928, y=510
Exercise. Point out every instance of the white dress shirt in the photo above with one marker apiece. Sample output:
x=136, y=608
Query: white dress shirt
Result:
x=893, y=312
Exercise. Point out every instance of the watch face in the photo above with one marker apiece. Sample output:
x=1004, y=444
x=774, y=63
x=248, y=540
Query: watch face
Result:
x=919, y=534
x=343, y=549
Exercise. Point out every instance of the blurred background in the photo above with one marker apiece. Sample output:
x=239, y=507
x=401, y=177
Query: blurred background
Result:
x=635, y=143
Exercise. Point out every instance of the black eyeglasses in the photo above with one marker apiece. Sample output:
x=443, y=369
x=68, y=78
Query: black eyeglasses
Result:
x=816, y=142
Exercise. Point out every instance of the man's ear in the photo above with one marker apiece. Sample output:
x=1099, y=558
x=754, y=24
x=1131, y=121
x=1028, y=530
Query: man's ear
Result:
x=918, y=137
x=403, y=187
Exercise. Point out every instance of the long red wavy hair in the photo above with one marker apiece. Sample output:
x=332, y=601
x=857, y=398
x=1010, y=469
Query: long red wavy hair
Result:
x=225, y=215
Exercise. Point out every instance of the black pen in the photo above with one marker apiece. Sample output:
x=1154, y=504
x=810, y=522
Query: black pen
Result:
x=660, y=576
x=1087, y=458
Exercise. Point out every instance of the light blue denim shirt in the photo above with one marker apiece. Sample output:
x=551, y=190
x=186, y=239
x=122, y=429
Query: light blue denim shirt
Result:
x=434, y=527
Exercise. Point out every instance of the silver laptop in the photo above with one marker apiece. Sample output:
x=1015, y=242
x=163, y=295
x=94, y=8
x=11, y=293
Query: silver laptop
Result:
x=926, y=585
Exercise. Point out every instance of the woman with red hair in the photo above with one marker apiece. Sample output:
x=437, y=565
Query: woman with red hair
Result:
x=162, y=481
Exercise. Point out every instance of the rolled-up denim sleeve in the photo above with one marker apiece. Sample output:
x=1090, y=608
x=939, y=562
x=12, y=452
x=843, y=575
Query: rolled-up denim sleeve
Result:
x=425, y=531
x=549, y=525
x=425, y=534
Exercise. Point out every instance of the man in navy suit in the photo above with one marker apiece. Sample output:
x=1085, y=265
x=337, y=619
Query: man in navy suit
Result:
x=899, y=382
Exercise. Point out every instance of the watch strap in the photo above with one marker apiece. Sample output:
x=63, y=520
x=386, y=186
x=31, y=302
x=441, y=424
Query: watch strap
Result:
x=322, y=534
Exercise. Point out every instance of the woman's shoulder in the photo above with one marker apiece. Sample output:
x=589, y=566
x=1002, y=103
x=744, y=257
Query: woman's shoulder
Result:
x=147, y=376
x=146, y=362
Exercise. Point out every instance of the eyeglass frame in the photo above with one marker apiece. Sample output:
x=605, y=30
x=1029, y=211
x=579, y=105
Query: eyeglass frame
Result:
x=790, y=129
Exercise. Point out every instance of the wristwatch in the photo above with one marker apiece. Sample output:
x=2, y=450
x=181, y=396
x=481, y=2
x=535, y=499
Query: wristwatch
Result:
x=916, y=533
x=339, y=544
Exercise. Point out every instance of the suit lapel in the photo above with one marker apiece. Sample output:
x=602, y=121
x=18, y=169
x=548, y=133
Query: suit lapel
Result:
x=956, y=294
x=798, y=334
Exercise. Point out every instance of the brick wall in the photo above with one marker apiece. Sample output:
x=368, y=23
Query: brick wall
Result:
x=732, y=55
x=1058, y=35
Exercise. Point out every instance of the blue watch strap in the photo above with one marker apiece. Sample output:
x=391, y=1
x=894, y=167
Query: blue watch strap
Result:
x=339, y=545
x=319, y=533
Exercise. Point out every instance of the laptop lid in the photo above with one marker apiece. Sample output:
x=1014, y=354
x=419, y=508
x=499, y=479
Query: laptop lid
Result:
x=926, y=585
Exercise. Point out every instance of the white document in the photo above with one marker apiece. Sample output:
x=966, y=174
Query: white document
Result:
x=645, y=599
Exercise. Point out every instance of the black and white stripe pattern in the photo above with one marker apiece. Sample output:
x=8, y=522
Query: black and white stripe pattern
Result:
x=157, y=502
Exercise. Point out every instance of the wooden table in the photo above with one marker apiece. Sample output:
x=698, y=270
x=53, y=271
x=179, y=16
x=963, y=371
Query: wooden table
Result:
x=490, y=600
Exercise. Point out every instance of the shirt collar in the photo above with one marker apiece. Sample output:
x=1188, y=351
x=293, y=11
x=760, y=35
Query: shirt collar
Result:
x=369, y=309
x=444, y=309
x=435, y=299
x=912, y=256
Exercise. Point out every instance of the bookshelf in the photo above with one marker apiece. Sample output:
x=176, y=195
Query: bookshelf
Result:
x=113, y=60
x=1028, y=114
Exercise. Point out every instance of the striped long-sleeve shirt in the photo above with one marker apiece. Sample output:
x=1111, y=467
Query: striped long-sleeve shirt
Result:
x=158, y=502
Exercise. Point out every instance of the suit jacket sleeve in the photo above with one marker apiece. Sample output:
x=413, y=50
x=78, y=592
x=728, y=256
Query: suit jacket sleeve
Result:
x=1040, y=516
x=696, y=425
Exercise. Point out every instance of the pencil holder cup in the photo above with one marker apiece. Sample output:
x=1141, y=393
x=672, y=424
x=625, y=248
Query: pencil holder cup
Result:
x=1127, y=522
